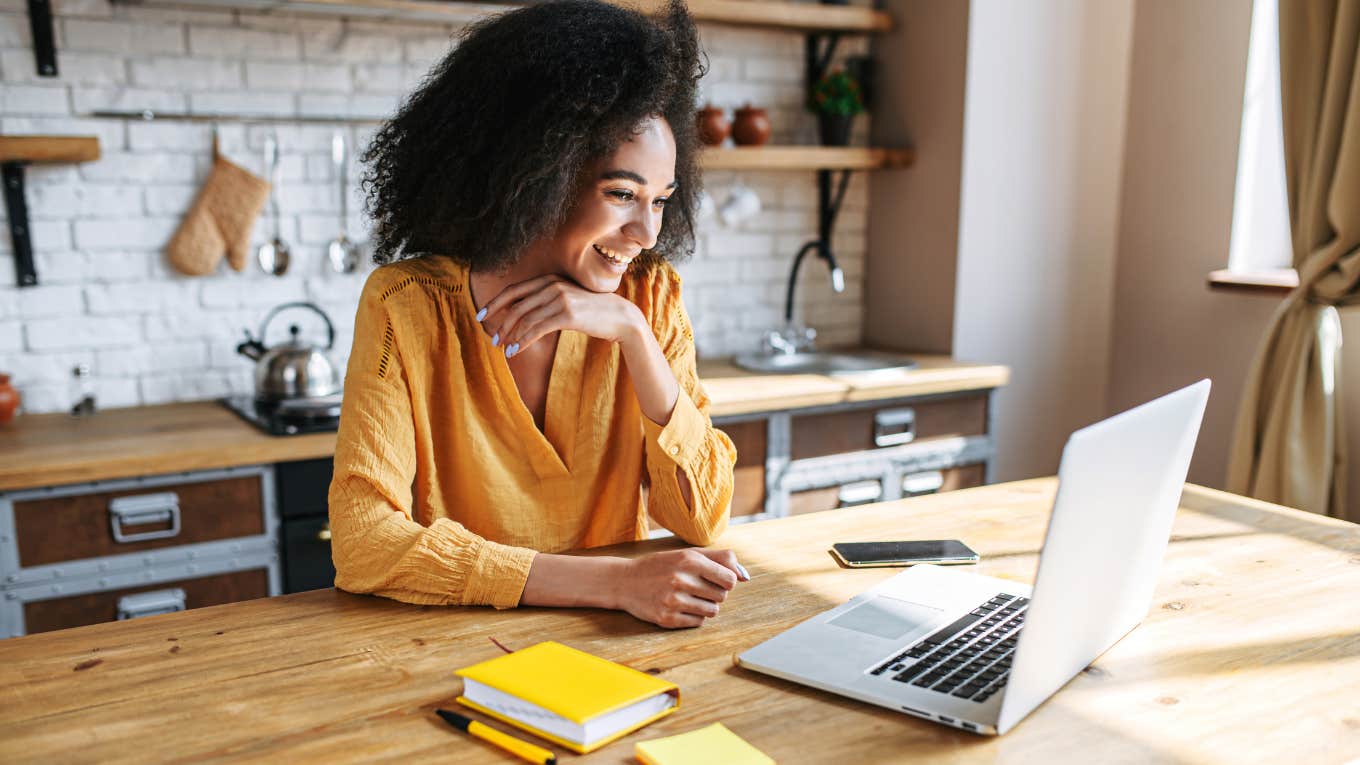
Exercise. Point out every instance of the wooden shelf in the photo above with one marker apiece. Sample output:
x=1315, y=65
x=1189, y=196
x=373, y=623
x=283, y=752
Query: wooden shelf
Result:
x=806, y=158
x=16, y=153
x=809, y=17
x=1280, y=281
x=48, y=148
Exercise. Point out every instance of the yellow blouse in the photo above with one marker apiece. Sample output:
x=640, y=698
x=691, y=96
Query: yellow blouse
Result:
x=445, y=488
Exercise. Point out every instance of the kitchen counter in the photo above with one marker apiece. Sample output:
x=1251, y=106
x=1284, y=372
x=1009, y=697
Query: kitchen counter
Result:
x=1249, y=653
x=55, y=449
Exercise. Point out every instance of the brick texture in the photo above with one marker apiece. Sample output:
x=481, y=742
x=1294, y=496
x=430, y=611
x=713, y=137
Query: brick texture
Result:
x=107, y=296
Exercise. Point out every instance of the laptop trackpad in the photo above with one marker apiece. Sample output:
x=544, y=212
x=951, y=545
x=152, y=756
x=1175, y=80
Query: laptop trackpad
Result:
x=887, y=617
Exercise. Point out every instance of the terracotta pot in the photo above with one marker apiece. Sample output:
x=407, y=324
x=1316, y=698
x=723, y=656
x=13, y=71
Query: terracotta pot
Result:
x=752, y=126
x=713, y=125
x=9, y=400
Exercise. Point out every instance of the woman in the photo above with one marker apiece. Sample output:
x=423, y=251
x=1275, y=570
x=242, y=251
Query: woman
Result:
x=522, y=380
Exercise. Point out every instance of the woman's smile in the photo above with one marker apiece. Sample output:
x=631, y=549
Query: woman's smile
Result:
x=616, y=260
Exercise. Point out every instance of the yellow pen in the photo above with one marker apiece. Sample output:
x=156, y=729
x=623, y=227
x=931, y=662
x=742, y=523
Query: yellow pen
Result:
x=505, y=741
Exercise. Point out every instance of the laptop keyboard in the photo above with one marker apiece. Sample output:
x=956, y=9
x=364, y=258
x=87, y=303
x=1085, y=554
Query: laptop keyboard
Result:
x=971, y=658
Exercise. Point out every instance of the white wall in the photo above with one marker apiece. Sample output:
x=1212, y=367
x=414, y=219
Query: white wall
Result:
x=1185, y=117
x=1038, y=225
x=914, y=213
x=108, y=298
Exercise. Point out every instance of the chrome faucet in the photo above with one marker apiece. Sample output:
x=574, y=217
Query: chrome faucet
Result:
x=794, y=337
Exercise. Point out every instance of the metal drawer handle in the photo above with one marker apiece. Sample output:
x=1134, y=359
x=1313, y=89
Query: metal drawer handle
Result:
x=150, y=603
x=922, y=483
x=859, y=493
x=144, y=509
x=894, y=426
x=324, y=535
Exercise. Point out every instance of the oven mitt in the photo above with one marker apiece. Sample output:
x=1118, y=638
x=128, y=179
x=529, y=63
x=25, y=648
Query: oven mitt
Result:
x=220, y=220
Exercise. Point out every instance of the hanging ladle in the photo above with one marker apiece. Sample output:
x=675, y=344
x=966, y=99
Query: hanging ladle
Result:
x=273, y=255
x=343, y=253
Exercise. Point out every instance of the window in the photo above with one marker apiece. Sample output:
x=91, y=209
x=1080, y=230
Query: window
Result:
x=1260, y=228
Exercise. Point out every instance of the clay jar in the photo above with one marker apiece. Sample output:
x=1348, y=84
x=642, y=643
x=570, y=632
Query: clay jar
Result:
x=752, y=126
x=712, y=125
x=9, y=400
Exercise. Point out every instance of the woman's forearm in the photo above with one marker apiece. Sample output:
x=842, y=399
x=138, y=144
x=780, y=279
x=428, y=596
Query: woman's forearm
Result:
x=574, y=582
x=657, y=389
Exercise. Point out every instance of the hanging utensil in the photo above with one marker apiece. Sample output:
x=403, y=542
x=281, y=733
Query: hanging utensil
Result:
x=273, y=254
x=343, y=253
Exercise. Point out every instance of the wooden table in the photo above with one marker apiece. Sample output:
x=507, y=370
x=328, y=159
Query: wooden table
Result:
x=1251, y=652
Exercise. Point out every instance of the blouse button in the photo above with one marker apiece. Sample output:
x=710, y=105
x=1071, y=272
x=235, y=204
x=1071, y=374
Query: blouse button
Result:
x=675, y=450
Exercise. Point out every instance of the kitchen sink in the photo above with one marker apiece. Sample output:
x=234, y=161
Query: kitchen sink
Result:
x=825, y=362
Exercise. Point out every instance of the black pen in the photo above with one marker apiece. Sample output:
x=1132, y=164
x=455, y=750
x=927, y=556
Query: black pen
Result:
x=503, y=740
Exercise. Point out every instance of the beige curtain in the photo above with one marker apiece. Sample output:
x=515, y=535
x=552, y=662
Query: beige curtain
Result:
x=1289, y=446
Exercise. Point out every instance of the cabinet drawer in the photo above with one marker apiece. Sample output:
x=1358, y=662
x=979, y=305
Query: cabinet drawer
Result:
x=833, y=497
x=307, y=554
x=68, y=528
x=748, y=489
x=817, y=435
x=99, y=607
x=304, y=487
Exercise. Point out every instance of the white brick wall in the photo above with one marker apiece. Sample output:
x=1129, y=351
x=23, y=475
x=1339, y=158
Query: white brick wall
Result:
x=107, y=297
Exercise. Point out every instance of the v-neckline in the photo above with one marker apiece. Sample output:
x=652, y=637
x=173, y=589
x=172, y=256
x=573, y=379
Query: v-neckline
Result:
x=550, y=449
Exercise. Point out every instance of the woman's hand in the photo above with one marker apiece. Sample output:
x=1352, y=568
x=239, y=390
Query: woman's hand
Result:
x=678, y=588
x=526, y=311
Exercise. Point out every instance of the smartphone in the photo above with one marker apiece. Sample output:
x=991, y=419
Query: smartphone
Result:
x=945, y=552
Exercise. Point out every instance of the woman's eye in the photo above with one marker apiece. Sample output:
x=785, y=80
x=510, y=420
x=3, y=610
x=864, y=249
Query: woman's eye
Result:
x=621, y=194
x=661, y=202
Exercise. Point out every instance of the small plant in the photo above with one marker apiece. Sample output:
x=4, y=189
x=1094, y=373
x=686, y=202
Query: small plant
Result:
x=837, y=93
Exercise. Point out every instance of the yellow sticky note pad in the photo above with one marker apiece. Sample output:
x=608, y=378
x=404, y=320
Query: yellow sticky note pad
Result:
x=701, y=747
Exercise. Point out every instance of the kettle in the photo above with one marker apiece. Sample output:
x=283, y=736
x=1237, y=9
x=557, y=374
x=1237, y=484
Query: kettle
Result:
x=294, y=369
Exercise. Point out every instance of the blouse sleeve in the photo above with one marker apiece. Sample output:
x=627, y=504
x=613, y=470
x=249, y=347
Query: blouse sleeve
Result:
x=376, y=545
x=688, y=442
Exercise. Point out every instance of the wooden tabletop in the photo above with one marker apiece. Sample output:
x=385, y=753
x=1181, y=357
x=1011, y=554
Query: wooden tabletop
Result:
x=1251, y=652
x=55, y=449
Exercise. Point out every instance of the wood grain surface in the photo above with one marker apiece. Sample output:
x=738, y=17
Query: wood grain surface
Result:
x=1250, y=653
x=49, y=149
x=55, y=449
x=765, y=13
x=805, y=157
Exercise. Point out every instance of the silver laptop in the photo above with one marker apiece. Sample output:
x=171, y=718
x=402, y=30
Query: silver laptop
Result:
x=948, y=645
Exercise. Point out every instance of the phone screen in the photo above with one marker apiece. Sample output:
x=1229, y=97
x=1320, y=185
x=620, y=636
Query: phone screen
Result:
x=904, y=552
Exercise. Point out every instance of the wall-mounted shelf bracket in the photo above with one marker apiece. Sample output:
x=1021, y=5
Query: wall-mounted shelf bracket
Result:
x=16, y=208
x=17, y=152
x=821, y=48
x=44, y=43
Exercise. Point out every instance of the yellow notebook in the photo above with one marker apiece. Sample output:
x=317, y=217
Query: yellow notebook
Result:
x=701, y=747
x=567, y=696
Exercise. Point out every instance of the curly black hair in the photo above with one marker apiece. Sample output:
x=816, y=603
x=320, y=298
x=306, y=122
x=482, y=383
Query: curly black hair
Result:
x=486, y=155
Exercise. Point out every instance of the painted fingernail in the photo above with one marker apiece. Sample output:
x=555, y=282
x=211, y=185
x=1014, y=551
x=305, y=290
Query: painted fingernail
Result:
x=496, y=339
x=512, y=350
x=481, y=314
x=744, y=572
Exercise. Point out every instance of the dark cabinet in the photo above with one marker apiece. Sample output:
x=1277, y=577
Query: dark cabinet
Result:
x=305, y=532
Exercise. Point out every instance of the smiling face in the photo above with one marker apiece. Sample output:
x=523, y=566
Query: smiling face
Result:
x=617, y=213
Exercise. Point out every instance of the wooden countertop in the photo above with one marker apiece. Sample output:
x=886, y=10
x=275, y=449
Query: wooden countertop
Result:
x=55, y=449
x=1251, y=652
x=736, y=391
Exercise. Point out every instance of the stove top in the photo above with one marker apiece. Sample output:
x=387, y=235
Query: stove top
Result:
x=290, y=417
